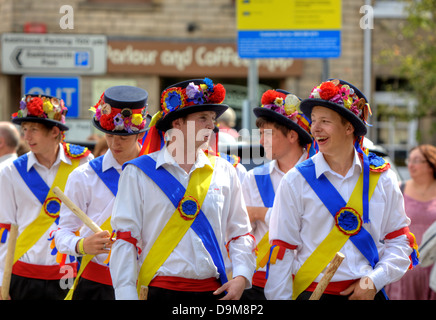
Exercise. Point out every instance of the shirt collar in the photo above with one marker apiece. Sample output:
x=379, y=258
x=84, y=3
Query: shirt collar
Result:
x=275, y=166
x=61, y=156
x=110, y=162
x=321, y=165
x=164, y=157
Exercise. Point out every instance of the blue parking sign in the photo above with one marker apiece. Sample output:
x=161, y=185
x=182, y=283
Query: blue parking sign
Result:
x=66, y=88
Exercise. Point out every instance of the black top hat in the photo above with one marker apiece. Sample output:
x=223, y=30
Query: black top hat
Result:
x=122, y=110
x=188, y=97
x=342, y=97
x=44, y=109
x=283, y=107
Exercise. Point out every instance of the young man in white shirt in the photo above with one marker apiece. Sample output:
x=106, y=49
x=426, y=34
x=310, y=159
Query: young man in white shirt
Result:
x=339, y=200
x=182, y=209
x=27, y=199
x=285, y=136
x=93, y=187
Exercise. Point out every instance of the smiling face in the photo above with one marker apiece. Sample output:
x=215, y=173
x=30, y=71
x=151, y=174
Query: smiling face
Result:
x=40, y=139
x=332, y=133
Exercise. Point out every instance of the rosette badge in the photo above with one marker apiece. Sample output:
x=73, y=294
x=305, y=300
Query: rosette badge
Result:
x=190, y=96
x=43, y=109
x=121, y=110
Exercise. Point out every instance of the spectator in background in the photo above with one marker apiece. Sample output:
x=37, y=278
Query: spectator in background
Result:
x=420, y=203
x=227, y=122
x=9, y=141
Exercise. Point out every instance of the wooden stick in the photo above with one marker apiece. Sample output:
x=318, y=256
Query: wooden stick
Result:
x=9, y=261
x=76, y=210
x=143, y=293
x=331, y=269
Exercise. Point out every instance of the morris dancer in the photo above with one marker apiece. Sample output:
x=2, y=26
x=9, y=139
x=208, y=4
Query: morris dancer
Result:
x=121, y=115
x=343, y=200
x=284, y=134
x=183, y=209
x=27, y=199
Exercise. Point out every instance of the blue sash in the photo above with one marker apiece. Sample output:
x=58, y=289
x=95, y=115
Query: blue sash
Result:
x=110, y=177
x=264, y=184
x=331, y=198
x=32, y=179
x=175, y=191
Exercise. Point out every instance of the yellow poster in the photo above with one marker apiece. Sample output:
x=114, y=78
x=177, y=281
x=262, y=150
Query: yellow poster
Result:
x=289, y=15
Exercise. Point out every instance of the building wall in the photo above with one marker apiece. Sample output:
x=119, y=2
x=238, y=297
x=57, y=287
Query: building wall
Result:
x=189, y=20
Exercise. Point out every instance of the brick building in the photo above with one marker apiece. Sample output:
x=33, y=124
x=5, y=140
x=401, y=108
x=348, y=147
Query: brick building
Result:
x=153, y=43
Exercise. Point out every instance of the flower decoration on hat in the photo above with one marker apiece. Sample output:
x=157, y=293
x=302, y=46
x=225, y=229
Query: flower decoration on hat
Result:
x=119, y=119
x=287, y=105
x=343, y=95
x=176, y=98
x=43, y=107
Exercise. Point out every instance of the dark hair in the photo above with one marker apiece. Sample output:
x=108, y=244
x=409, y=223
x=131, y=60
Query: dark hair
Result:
x=261, y=121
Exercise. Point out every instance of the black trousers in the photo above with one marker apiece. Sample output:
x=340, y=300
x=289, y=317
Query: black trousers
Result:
x=161, y=294
x=254, y=293
x=23, y=288
x=305, y=295
x=91, y=290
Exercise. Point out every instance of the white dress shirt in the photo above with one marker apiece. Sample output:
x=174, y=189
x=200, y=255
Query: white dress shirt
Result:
x=299, y=218
x=253, y=198
x=142, y=208
x=20, y=206
x=93, y=197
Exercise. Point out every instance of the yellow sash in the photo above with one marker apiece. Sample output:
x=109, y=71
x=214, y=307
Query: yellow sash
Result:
x=335, y=240
x=86, y=259
x=40, y=225
x=263, y=249
x=177, y=225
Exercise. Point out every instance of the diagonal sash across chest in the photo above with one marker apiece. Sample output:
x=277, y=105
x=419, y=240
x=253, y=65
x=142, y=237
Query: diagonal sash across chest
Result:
x=348, y=225
x=50, y=203
x=266, y=190
x=110, y=178
x=187, y=214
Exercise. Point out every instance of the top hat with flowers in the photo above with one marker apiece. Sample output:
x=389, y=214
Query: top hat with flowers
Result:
x=44, y=109
x=190, y=96
x=121, y=110
x=284, y=108
x=342, y=97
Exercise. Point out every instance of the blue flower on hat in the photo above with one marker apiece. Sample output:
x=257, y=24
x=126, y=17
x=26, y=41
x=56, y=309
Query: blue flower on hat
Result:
x=173, y=101
x=209, y=84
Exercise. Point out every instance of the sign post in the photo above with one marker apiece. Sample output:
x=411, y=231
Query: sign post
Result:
x=287, y=29
x=66, y=88
x=53, y=53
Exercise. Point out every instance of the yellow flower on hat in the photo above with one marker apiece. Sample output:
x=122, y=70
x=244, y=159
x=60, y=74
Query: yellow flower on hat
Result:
x=47, y=106
x=137, y=119
x=292, y=104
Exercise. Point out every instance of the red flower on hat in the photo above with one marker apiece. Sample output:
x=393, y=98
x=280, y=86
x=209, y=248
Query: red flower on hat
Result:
x=328, y=90
x=218, y=95
x=34, y=106
x=107, y=122
x=270, y=96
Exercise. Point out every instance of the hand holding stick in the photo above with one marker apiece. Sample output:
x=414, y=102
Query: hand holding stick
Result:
x=325, y=280
x=76, y=210
x=9, y=261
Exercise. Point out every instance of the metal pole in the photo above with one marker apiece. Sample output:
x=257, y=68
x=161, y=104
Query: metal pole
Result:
x=253, y=86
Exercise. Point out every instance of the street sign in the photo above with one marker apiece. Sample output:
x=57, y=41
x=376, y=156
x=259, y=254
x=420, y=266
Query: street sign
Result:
x=53, y=53
x=289, y=29
x=66, y=88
